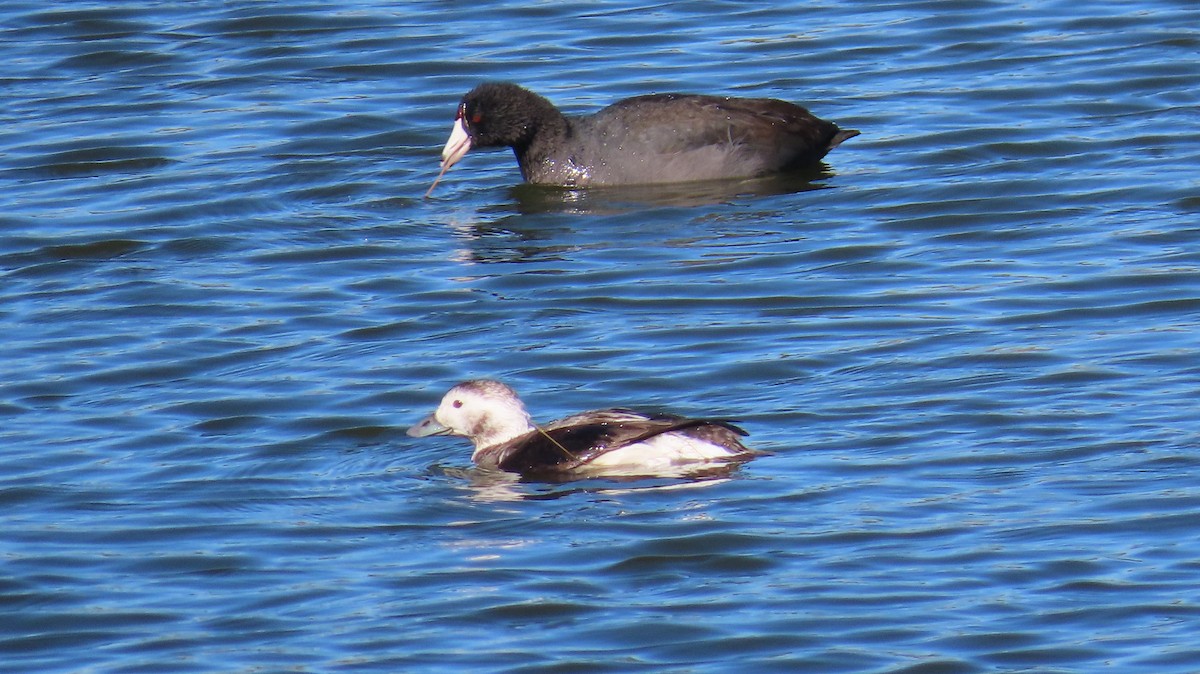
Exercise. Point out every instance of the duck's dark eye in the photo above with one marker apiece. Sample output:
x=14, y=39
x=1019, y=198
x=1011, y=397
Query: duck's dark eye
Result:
x=457, y=404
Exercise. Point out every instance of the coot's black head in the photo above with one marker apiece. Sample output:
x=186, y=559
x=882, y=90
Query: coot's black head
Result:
x=500, y=114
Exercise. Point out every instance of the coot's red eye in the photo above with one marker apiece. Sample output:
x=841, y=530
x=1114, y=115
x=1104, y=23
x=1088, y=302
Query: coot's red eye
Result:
x=457, y=403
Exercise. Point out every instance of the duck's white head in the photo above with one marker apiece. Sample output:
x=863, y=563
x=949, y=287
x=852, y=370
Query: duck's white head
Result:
x=483, y=410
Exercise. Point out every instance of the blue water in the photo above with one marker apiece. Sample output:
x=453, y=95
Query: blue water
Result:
x=970, y=343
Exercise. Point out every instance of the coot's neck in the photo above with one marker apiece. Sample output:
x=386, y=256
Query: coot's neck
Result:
x=548, y=131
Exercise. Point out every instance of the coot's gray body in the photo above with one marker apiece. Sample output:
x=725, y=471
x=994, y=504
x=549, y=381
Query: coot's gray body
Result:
x=658, y=138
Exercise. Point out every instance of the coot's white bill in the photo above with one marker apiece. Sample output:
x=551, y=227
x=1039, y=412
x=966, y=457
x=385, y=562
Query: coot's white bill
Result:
x=456, y=148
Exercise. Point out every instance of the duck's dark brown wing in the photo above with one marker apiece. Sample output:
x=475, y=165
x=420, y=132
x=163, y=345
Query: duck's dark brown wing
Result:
x=571, y=442
x=553, y=449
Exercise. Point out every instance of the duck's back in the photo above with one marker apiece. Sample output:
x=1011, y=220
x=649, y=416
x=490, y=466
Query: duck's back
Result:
x=596, y=437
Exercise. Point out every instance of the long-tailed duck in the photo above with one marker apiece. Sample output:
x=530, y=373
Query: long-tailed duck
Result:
x=600, y=442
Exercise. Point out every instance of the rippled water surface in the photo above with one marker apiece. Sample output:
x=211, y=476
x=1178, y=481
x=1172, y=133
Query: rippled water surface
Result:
x=970, y=342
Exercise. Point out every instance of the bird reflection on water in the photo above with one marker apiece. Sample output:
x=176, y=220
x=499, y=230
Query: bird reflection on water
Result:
x=496, y=486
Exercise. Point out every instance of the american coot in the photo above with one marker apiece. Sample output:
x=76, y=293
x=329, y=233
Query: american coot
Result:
x=611, y=442
x=659, y=138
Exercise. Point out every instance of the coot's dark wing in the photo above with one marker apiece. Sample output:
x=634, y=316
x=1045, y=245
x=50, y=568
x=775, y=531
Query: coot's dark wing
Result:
x=778, y=135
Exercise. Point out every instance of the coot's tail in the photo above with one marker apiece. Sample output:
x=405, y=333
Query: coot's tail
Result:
x=842, y=135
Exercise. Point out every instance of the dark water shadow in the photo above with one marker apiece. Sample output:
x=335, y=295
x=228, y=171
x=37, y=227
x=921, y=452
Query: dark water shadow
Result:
x=537, y=199
x=530, y=226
